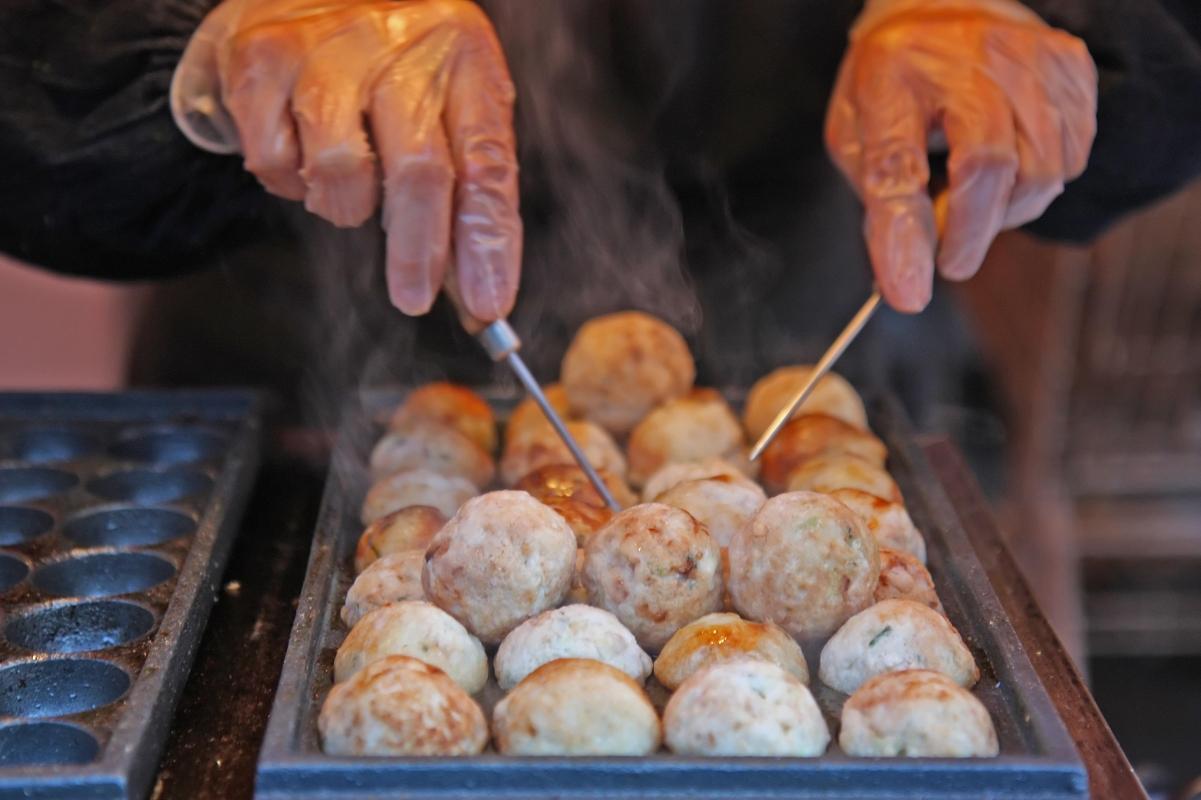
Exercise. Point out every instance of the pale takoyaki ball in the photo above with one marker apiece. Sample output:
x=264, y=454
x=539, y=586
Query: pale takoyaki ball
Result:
x=698, y=425
x=811, y=435
x=656, y=569
x=894, y=635
x=448, y=405
x=833, y=471
x=620, y=366
x=721, y=504
x=576, y=631
x=744, y=708
x=527, y=415
x=576, y=707
x=391, y=579
x=902, y=577
x=771, y=393
x=672, y=474
x=889, y=522
x=718, y=638
x=503, y=558
x=916, y=713
x=399, y=706
x=805, y=562
x=419, y=487
x=435, y=448
x=417, y=629
x=542, y=446
x=410, y=528
x=568, y=480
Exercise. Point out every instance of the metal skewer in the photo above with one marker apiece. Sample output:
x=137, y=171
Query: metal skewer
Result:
x=501, y=343
x=823, y=366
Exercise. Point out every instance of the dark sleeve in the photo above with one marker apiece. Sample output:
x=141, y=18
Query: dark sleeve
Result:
x=94, y=177
x=1149, y=111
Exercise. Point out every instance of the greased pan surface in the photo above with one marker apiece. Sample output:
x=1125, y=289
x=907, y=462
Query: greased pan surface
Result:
x=1037, y=757
x=117, y=512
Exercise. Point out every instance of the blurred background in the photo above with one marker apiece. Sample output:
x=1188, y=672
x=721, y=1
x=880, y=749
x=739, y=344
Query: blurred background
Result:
x=1079, y=410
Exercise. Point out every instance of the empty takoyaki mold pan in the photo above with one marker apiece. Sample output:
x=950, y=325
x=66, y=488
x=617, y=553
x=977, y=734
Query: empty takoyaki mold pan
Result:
x=1037, y=758
x=117, y=512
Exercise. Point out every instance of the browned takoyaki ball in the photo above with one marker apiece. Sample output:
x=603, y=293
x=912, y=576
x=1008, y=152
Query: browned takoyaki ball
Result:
x=811, y=435
x=410, y=528
x=503, y=558
x=888, y=521
x=902, y=577
x=830, y=472
x=771, y=393
x=528, y=416
x=542, y=446
x=622, y=365
x=448, y=405
x=690, y=428
x=568, y=480
x=805, y=562
x=656, y=569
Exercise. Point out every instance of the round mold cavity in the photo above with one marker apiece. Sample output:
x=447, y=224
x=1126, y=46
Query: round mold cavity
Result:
x=52, y=445
x=128, y=527
x=22, y=484
x=79, y=627
x=19, y=525
x=35, y=743
x=171, y=445
x=102, y=574
x=12, y=571
x=59, y=686
x=151, y=487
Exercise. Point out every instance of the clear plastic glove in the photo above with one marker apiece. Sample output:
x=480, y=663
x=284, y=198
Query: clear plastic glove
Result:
x=1015, y=100
x=340, y=102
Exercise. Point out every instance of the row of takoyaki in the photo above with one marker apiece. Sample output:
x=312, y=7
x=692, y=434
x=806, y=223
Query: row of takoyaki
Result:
x=576, y=597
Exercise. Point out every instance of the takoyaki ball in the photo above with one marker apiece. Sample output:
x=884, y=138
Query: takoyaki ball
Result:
x=391, y=579
x=718, y=638
x=576, y=707
x=418, y=487
x=894, y=635
x=698, y=425
x=805, y=562
x=771, y=393
x=916, y=713
x=811, y=435
x=620, y=366
x=542, y=447
x=721, y=504
x=527, y=415
x=503, y=558
x=744, y=708
x=568, y=480
x=448, y=405
x=656, y=569
x=565, y=488
x=672, y=474
x=410, y=528
x=399, y=706
x=576, y=631
x=889, y=522
x=419, y=630
x=902, y=577
x=435, y=448
x=833, y=471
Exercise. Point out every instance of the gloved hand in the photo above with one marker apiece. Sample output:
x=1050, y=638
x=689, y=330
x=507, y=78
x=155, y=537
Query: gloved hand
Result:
x=1015, y=99
x=336, y=102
